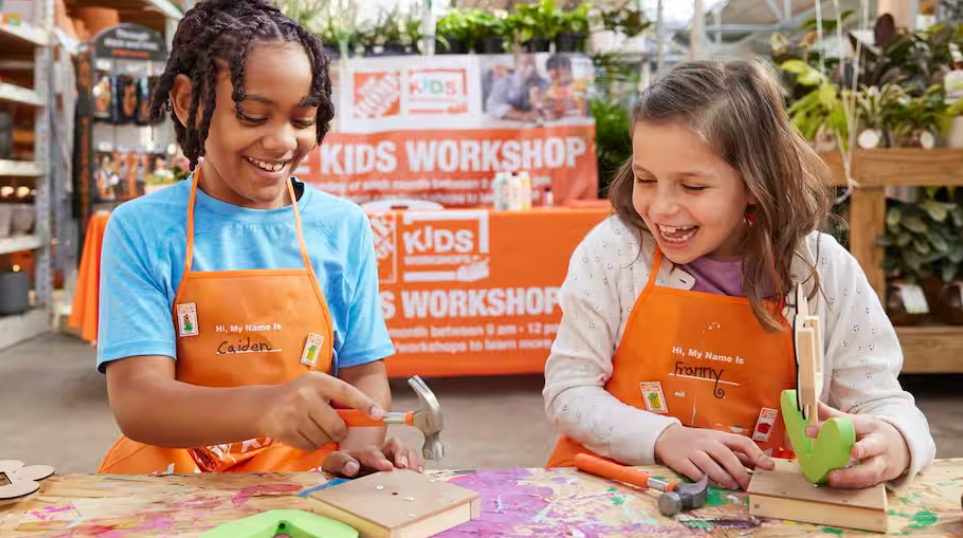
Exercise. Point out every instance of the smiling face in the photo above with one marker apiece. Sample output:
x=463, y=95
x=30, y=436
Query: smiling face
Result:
x=691, y=200
x=247, y=161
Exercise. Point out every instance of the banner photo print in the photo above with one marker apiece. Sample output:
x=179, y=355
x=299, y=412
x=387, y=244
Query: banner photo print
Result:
x=439, y=128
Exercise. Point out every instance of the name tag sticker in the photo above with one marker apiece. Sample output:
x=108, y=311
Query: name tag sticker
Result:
x=187, y=319
x=312, y=348
x=767, y=418
x=654, y=398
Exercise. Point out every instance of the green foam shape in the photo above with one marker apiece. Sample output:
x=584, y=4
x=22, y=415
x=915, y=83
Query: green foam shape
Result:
x=294, y=523
x=831, y=448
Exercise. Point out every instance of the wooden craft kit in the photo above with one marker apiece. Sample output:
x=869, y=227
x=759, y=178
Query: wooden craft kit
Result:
x=398, y=504
x=19, y=480
x=797, y=491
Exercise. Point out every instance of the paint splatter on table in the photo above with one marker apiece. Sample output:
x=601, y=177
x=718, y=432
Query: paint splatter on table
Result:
x=515, y=503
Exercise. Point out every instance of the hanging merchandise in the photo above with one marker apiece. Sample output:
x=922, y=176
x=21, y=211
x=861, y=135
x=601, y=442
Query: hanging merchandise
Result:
x=118, y=151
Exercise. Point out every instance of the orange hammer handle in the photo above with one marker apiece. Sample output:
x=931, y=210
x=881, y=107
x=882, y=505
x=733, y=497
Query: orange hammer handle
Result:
x=353, y=417
x=613, y=471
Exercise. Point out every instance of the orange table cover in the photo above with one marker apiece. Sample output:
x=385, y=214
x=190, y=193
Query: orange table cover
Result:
x=464, y=292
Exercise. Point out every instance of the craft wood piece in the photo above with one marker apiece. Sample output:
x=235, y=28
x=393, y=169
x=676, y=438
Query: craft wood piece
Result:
x=784, y=493
x=832, y=447
x=398, y=504
x=17, y=480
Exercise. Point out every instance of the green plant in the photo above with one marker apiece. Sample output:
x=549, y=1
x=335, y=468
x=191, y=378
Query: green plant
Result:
x=542, y=19
x=625, y=19
x=576, y=21
x=822, y=107
x=613, y=143
x=923, y=238
x=453, y=26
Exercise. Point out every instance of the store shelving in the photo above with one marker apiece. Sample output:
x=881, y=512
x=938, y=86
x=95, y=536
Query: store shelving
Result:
x=16, y=329
x=22, y=37
x=25, y=48
x=927, y=348
x=20, y=169
x=16, y=94
x=9, y=245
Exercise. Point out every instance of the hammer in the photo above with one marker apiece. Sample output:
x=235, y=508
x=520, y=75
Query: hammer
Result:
x=678, y=496
x=427, y=418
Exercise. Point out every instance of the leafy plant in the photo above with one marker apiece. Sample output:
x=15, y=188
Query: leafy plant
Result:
x=542, y=19
x=819, y=109
x=923, y=238
x=613, y=144
x=625, y=19
x=576, y=21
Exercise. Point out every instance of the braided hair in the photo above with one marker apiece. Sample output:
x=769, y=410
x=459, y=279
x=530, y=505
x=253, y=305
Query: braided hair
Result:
x=226, y=30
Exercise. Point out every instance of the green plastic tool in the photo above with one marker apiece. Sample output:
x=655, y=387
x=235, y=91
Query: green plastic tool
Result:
x=828, y=451
x=292, y=523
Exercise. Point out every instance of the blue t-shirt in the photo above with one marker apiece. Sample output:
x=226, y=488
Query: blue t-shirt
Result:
x=142, y=263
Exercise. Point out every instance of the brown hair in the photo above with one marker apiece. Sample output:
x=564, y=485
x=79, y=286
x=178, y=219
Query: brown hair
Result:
x=737, y=107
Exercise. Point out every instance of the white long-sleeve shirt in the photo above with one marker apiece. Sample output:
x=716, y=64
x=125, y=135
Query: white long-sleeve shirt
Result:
x=606, y=275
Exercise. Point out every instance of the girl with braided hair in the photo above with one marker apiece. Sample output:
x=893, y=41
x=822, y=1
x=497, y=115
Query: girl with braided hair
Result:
x=238, y=305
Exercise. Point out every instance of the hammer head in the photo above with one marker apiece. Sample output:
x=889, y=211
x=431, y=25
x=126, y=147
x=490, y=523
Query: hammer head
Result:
x=694, y=494
x=428, y=419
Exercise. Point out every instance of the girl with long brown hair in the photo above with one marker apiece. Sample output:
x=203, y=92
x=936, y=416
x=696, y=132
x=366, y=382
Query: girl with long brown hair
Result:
x=674, y=345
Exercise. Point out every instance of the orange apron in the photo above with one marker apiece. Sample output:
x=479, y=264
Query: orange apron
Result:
x=704, y=359
x=236, y=328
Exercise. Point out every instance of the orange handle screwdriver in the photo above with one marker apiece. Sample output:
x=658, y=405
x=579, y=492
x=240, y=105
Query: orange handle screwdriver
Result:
x=628, y=475
x=353, y=417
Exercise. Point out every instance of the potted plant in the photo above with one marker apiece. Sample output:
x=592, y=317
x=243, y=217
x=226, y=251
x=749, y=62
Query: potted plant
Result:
x=539, y=24
x=574, y=29
x=452, y=33
x=412, y=28
x=493, y=31
x=625, y=19
x=924, y=248
x=819, y=115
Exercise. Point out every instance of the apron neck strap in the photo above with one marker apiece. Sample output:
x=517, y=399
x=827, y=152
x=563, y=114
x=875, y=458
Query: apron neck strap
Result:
x=654, y=271
x=189, y=254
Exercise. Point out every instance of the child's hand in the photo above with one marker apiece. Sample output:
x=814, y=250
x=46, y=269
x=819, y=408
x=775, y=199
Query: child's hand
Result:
x=880, y=453
x=372, y=458
x=298, y=413
x=723, y=456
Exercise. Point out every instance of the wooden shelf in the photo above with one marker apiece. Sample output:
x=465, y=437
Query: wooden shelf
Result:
x=19, y=169
x=16, y=94
x=931, y=350
x=926, y=349
x=17, y=329
x=19, y=243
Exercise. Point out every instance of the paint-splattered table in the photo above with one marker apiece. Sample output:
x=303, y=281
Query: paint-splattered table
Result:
x=516, y=502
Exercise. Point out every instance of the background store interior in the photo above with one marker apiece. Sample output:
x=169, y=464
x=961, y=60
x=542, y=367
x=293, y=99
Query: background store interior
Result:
x=52, y=398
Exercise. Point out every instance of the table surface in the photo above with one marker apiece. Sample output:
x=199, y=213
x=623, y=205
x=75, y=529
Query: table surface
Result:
x=515, y=503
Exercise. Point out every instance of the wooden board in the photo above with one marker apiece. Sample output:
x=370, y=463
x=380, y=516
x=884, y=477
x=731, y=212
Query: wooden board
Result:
x=399, y=504
x=784, y=493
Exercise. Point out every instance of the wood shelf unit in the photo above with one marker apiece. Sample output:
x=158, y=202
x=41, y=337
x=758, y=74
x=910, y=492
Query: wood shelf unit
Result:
x=926, y=349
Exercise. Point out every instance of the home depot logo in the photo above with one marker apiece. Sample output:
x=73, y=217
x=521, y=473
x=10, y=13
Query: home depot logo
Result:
x=377, y=95
x=438, y=91
x=384, y=227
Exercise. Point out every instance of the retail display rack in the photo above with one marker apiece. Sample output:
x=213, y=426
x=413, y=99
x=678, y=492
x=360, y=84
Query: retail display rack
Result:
x=26, y=68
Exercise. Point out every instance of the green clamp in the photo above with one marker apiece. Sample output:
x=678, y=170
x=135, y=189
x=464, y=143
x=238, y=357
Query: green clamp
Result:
x=831, y=448
x=292, y=523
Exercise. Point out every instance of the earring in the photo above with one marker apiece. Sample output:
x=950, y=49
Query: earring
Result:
x=750, y=218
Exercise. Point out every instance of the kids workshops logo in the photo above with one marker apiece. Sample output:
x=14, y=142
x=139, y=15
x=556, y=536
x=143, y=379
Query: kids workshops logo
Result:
x=377, y=94
x=452, y=246
x=438, y=91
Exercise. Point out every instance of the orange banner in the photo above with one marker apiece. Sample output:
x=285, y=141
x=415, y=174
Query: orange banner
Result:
x=455, y=167
x=474, y=292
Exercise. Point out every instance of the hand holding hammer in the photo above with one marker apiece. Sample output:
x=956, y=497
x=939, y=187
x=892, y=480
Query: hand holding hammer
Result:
x=427, y=418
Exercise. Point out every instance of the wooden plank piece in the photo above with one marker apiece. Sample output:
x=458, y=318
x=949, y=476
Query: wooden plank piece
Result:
x=784, y=493
x=399, y=504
